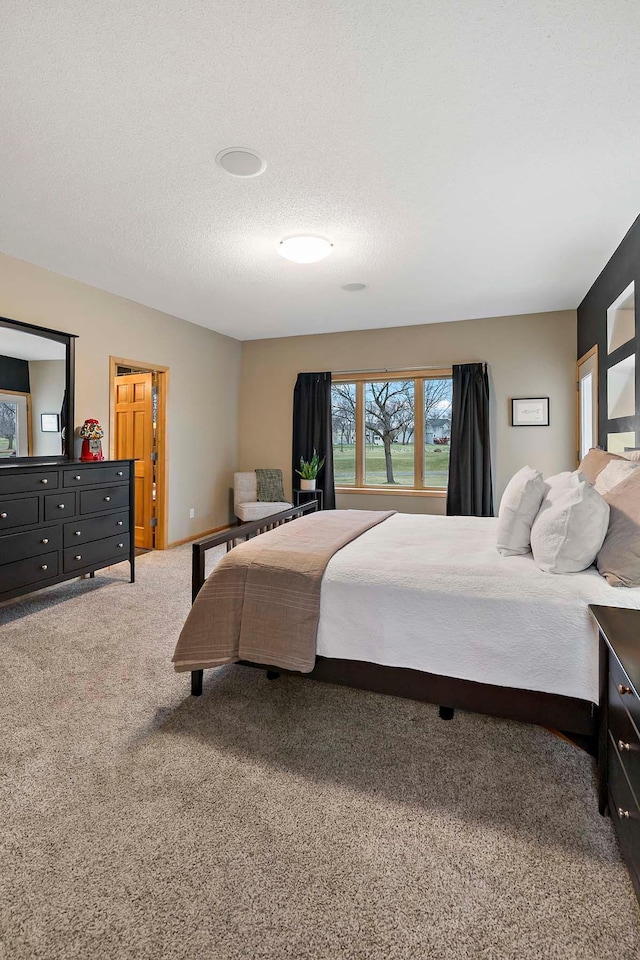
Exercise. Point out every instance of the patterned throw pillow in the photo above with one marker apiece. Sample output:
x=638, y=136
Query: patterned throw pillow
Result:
x=270, y=486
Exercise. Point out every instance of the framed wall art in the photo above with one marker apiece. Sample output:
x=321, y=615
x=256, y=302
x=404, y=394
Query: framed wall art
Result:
x=530, y=412
x=50, y=422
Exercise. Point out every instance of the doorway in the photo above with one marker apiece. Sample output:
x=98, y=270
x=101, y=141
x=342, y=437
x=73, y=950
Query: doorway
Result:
x=138, y=394
x=587, y=403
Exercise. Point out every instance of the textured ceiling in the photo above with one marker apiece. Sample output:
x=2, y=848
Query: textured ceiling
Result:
x=468, y=158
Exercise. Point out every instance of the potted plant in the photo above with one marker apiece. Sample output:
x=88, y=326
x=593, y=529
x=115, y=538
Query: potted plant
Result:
x=309, y=470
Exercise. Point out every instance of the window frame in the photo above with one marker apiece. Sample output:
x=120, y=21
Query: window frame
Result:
x=383, y=376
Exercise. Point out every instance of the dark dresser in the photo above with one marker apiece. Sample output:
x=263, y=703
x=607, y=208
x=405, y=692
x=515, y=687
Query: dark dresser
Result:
x=619, y=738
x=63, y=520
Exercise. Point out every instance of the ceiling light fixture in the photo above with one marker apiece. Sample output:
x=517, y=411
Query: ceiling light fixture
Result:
x=352, y=287
x=305, y=249
x=241, y=162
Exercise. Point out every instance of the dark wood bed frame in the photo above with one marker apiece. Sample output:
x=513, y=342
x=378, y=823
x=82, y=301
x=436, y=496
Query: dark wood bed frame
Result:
x=577, y=719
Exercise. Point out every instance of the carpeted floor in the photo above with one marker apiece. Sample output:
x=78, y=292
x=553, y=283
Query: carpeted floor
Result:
x=274, y=820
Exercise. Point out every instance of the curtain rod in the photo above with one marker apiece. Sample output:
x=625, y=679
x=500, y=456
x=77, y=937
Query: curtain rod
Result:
x=422, y=366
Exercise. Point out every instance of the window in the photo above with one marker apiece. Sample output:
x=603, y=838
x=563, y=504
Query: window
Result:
x=376, y=422
x=14, y=425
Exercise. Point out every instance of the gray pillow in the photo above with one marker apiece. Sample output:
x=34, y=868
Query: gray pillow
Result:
x=270, y=486
x=619, y=557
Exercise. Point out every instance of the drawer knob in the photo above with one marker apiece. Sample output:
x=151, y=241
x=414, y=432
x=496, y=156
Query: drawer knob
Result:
x=3, y=516
x=44, y=481
x=119, y=473
x=44, y=567
x=77, y=533
x=61, y=506
x=77, y=477
x=623, y=746
x=119, y=523
x=107, y=499
x=623, y=814
x=78, y=556
x=622, y=689
x=121, y=544
x=46, y=540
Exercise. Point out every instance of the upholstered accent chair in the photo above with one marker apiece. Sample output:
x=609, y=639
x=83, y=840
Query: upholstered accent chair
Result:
x=245, y=499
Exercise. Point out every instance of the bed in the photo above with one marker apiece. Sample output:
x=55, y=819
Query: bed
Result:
x=424, y=607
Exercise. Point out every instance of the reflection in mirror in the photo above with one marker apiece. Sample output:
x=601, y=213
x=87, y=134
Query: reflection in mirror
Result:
x=32, y=394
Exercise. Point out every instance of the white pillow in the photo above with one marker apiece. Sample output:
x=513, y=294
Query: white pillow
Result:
x=571, y=526
x=631, y=454
x=518, y=508
x=614, y=473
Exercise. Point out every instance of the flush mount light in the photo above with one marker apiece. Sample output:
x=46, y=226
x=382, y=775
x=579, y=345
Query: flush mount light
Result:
x=241, y=162
x=352, y=287
x=305, y=249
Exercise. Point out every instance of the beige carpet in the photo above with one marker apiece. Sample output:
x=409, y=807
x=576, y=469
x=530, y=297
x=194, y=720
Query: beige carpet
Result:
x=274, y=820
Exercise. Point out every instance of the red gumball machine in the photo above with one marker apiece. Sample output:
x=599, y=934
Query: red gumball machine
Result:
x=92, y=434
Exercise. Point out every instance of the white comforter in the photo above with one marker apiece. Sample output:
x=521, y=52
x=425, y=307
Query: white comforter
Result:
x=433, y=593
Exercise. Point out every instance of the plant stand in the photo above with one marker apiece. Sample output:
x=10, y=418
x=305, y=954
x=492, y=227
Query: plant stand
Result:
x=304, y=496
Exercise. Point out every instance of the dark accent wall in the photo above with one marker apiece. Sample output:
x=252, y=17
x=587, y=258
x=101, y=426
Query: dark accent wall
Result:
x=620, y=271
x=14, y=375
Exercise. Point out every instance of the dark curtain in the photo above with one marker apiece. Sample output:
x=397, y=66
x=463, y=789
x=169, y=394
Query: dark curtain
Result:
x=470, y=491
x=312, y=429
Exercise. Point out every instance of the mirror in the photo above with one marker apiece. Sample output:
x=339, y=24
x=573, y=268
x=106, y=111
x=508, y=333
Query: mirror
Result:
x=36, y=393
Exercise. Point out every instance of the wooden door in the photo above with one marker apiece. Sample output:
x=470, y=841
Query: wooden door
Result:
x=133, y=439
x=587, y=402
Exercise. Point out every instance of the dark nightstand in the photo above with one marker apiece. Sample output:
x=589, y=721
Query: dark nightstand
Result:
x=619, y=737
x=303, y=496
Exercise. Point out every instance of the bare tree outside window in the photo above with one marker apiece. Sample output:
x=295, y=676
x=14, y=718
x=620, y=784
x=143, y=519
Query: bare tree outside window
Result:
x=389, y=416
x=343, y=414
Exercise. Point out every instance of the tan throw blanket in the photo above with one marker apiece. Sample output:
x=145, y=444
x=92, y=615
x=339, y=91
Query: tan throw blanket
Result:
x=262, y=601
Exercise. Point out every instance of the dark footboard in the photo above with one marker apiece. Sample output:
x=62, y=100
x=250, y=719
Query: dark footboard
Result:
x=244, y=531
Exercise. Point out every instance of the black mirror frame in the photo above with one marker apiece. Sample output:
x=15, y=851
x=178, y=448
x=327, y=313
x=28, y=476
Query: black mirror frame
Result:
x=68, y=339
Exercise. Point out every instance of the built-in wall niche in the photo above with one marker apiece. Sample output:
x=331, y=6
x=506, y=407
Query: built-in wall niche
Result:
x=621, y=319
x=619, y=442
x=621, y=389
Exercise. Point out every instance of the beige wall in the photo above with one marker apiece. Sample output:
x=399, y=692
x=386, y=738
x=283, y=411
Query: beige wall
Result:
x=205, y=368
x=46, y=384
x=528, y=356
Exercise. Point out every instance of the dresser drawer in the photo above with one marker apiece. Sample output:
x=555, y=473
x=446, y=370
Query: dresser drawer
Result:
x=83, y=531
x=624, y=812
x=18, y=513
x=57, y=506
x=22, y=545
x=619, y=680
x=22, y=572
x=113, y=548
x=624, y=733
x=84, y=477
x=106, y=498
x=28, y=482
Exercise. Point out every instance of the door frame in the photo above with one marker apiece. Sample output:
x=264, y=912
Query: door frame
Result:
x=162, y=465
x=587, y=356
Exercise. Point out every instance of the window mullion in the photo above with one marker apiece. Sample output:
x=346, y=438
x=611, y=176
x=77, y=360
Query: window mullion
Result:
x=360, y=433
x=418, y=434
